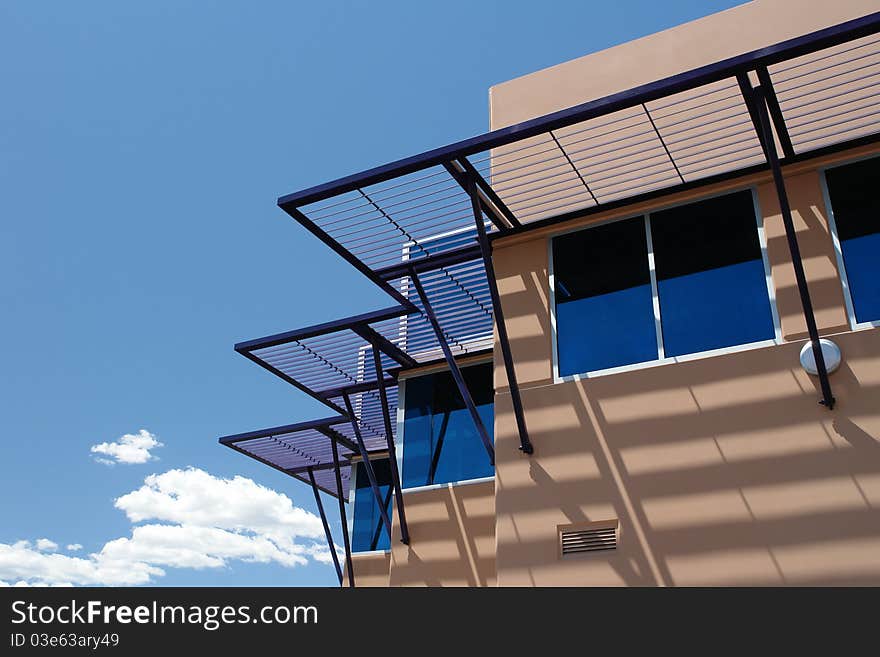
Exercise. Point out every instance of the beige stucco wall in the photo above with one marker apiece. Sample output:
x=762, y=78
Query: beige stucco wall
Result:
x=452, y=538
x=810, y=217
x=371, y=569
x=725, y=34
x=723, y=470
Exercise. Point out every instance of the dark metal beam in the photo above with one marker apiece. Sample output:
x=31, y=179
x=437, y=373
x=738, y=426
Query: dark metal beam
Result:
x=662, y=142
x=453, y=368
x=323, y=329
x=346, y=255
x=296, y=384
x=342, y=518
x=438, y=448
x=371, y=474
x=574, y=168
x=327, y=533
x=392, y=452
x=287, y=428
x=377, y=533
x=461, y=178
x=775, y=111
x=490, y=193
x=524, y=443
x=430, y=263
x=290, y=473
x=745, y=88
x=756, y=96
x=353, y=389
x=376, y=339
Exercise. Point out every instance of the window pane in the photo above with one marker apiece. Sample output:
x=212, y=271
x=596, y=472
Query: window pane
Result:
x=440, y=442
x=368, y=531
x=604, y=310
x=710, y=275
x=854, y=198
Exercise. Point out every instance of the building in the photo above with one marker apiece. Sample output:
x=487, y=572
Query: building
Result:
x=597, y=366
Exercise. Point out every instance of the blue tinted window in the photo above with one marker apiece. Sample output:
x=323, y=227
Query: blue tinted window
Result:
x=604, y=309
x=368, y=530
x=440, y=442
x=710, y=275
x=853, y=189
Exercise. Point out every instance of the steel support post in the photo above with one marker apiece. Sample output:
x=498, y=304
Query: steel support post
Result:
x=345, y=539
x=756, y=100
x=524, y=443
x=392, y=452
x=326, y=526
x=371, y=474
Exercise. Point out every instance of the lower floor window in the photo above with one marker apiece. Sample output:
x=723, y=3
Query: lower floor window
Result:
x=440, y=441
x=368, y=529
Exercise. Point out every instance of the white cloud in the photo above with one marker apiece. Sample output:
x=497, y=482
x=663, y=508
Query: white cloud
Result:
x=75, y=547
x=194, y=497
x=199, y=521
x=35, y=568
x=45, y=545
x=129, y=448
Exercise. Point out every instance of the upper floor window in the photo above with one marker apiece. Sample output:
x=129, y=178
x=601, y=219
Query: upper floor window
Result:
x=855, y=206
x=604, y=306
x=680, y=281
x=368, y=530
x=440, y=442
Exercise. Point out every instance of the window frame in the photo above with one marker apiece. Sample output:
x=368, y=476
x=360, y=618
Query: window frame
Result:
x=854, y=324
x=399, y=439
x=662, y=359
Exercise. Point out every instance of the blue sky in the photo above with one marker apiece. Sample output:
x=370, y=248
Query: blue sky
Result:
x=142, y=146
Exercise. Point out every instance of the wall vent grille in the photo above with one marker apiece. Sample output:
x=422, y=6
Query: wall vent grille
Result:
x=591, y=539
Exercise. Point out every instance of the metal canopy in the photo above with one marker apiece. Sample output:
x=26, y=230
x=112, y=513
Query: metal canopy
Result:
x=417, y=214
x=830, y=104
x=294, y=449
x=677, y=132
x=332, y=359
x=320, y=453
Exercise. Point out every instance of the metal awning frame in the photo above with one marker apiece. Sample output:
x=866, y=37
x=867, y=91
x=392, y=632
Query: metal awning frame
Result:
x=358, y=324
x=728, y=68
x=326, y=427
x=761, y=101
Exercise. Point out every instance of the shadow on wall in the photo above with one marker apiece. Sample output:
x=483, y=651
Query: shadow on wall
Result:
x=722, y=471
x=452, y=538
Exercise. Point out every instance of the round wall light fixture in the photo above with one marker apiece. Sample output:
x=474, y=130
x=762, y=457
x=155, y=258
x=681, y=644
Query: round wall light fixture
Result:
x=830, y=351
